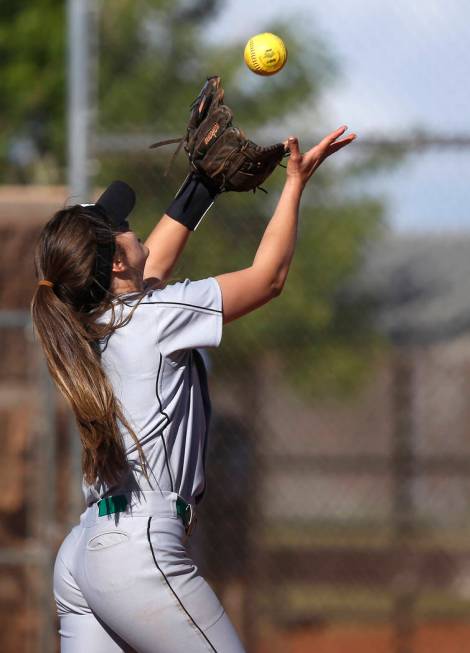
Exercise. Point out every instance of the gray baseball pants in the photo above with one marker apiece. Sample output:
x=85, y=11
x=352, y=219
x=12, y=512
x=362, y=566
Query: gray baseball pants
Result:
x=124, y=583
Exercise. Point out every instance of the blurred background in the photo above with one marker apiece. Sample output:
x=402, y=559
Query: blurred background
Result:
x=337, y=513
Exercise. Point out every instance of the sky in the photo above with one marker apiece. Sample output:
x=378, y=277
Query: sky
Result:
x=403, y=66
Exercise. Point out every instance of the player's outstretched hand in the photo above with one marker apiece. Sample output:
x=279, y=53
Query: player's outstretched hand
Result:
x=302, y=166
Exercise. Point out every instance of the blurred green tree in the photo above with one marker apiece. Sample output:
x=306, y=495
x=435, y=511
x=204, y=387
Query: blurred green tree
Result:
x=153, y=56
x=32, y=89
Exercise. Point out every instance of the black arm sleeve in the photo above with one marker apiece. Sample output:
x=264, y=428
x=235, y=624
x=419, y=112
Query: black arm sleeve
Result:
x=191, y=202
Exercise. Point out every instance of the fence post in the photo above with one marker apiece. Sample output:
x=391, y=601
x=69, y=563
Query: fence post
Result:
x=403, y=504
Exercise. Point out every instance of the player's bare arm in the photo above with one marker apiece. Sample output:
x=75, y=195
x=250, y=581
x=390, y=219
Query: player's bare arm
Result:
x=245, y=290
x=166, y=243
x=244, y=167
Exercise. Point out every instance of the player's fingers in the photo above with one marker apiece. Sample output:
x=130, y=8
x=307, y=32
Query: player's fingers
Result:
x=293, y=147
x=344, y=141
x=320, y=150
x=338, y=145
x=332, y=136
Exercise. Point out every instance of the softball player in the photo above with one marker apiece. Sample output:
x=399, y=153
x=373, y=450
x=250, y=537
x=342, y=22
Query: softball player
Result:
x=123, y=350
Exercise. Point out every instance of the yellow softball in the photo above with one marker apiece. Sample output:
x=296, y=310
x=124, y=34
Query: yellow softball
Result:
x=265, y=54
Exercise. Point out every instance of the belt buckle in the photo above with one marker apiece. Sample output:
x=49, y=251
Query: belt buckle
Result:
x=191, y=523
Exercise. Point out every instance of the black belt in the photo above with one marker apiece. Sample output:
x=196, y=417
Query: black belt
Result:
x=119, y=503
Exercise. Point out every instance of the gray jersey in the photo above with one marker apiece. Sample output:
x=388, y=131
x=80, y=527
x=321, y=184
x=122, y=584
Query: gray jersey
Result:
x=158, y=378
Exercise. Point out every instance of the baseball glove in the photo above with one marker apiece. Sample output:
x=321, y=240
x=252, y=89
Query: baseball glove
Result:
x=219, y=152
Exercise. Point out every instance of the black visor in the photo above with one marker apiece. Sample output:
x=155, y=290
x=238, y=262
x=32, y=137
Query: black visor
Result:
x=116, y=203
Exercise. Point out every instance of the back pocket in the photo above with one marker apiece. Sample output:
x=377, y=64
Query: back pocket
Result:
x=108, y=564
x=105, y=540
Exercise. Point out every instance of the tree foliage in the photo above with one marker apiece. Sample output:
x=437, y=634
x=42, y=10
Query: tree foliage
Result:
x=153, y=57
x=32, y=84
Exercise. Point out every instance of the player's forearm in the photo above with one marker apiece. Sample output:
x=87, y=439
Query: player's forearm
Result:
x=166, y=243
x=277, y=246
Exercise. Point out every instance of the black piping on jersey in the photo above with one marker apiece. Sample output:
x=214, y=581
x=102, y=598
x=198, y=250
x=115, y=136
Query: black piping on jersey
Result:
x=173, y=591
x=162, y=412
x=201, y=308
x=204, y=308
x=167, y=464
x=206, y=403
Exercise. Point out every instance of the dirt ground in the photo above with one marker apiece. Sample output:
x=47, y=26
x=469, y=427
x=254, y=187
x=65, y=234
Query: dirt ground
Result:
x=430, y=638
